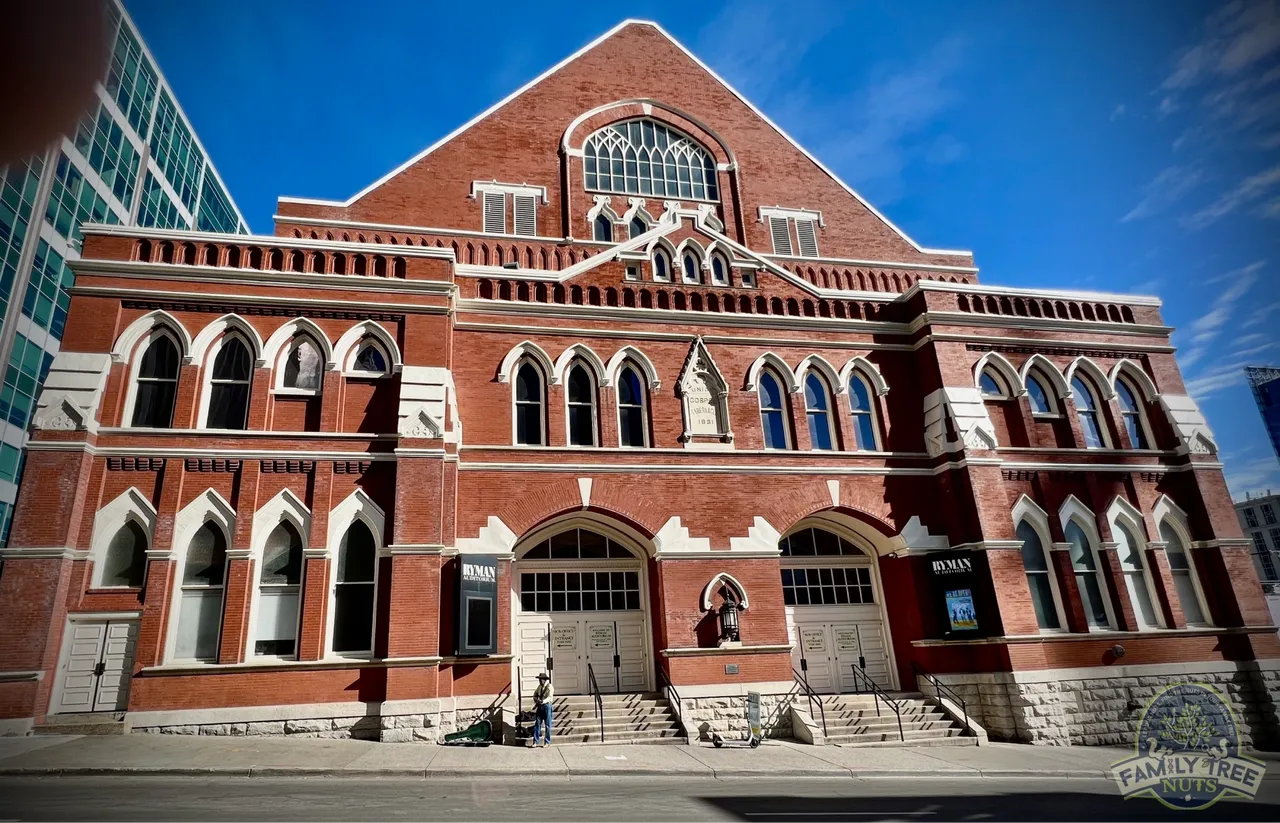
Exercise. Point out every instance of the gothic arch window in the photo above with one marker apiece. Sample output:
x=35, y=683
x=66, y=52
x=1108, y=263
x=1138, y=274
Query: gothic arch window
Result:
x=1039, y=397
x=863, y=414
x=302, y=367
x=125, y=563
x=719, y=270
x=229, y=383
x=602, y=229
x=1084, y=563
x=1131, y=415
x=1035, y=560
x=156, y=383
x=580, y=396
x=370, y=359
x=638, y=227
x=991, y=385
x=633, y=418
x=530, y=405
x=822, y=568
x=646, y=157
x=690, y=269
x=353, y=592
x=1185, y=579
x=773, y=411
x=1088, y=414
x=203, y=579
x=279, y=593
x=817, y=407
x=1138, y=585
x=661, y=266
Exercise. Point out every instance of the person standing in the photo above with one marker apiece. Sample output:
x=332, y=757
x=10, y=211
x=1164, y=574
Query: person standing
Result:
x=542, y=697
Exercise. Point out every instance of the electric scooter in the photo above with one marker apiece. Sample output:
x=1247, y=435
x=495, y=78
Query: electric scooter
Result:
x=752, y=738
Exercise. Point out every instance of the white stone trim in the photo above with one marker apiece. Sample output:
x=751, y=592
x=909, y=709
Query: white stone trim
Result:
x=128, y=340
x=1194, y=434
x=763, y=213
x=1002, y=367
x=969, y=415
x=709, y=590
x=718, y=651
x=480, y=186
x=639, y=359
x=1058, y=384
x=208, y=507
x=761, y=540
x=869, y=370
x=282, y=337
x=130, y=505
x=1073, y=510
x=583, y=352
x=495, y=538
x=789, y=381
x=348, y=346
x=250, y=714
x=202, y=347
x=357, y=506
x=1101, y=382
x=835, y=385
x=531, y=350
x=72, y=392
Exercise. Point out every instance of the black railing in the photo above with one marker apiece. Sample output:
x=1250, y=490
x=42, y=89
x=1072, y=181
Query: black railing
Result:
x=495, y=708
x=673, y=697
x=595, y=693
x=861, y=679
x=519, y=694
x=802, y=680
x=939, y=688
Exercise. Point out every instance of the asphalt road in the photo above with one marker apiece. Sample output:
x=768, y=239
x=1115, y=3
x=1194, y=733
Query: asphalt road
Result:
x=116, y=797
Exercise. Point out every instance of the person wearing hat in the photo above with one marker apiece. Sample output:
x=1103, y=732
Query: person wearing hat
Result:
x=542, y=710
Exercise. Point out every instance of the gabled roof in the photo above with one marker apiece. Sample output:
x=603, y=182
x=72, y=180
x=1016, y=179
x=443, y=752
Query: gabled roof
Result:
x=571, y=58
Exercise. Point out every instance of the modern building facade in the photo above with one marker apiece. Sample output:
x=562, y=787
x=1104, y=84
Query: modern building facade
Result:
x=1265, y=382
x=1260, y=521
x=134, y=161
x=620, y=382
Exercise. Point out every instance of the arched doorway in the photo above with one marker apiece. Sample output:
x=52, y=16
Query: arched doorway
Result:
x=580, y=603
x=835, y=606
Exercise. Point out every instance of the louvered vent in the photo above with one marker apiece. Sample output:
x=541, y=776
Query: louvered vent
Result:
x=526, y=214
x=495, y=212
x=781, y=236
x=807, y=235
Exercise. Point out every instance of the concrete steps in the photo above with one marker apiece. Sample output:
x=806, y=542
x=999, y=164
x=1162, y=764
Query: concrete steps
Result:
x=627, y=718
x=852, y=720
x=99, y=723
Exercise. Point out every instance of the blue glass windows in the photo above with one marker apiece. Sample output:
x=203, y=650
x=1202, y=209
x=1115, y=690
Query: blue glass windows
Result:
x=862, y=413
x=530, y=406
x=633, y=426
x=773, y=414
x=1087, y=413
x=817, y=407
x=1131, y=415
x=1038, y=397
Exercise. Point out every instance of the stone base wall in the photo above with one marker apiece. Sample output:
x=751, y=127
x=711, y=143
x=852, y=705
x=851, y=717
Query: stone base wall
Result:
x=1103, y=707
x=361, y=728
x=728, y=715
x=431, y=726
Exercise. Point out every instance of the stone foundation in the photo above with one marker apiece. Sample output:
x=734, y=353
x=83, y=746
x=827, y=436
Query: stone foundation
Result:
x=1103, y=707
x=728, y=715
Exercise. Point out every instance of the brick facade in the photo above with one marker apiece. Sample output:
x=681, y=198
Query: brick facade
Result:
x=424, y=453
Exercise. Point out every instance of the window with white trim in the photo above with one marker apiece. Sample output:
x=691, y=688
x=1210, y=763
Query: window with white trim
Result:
x=495, y=212
x=125, y=563
x=1035, y=561
x=1038, y=395
x=279, y=592
x=303, y=366
x=807, y=237
x=719, y=270
x=353, y=591
x=525, y=214
x=602, y=229
x=204, y=577
x=644, y=156
x=991, y=386
x=1084, y=563
x=530, y=402
x=229, y=383
x=806, y=234
x=1131, y=415
x=862, y=410
x=1184, y=576
x=781, y=234
x=817, y=407
x=509, y=208
x=1129, y=552
x=371, y=359
x=690, y=269
x=583, y=591
x=661, y=267
x=580, y=394
x=633, y=425
x=156, y=384
x=1087, y=413
x=773, y=414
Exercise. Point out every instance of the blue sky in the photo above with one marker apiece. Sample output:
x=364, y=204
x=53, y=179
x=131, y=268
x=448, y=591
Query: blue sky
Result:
x=1121, y=146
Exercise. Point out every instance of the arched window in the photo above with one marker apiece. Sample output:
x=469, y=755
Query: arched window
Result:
x=1131, y=415
x=864, y=420
x=1038, y=396
x=773, y=415
x=633, y=429
x=1039, y=576
x=661, y=267
x=303, y=365
x=817, y=407
x=1087, y=412
x=353, y=591
x=646, y=157
x=581, y=396
x=157, y=387
x=1129, y=551
x=125, y=562
x=1184, y=576
x=690, y=269
x=530, y=406
x=370, y=358
x=602, y=229
x=204, y=573
x=279, y=589
x=229, y=386
x=638, y=227
x=990, y=385
x=1085, y=564
x=719, y=271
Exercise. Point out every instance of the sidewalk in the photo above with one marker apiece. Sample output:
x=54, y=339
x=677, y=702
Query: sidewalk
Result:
x=141, y=754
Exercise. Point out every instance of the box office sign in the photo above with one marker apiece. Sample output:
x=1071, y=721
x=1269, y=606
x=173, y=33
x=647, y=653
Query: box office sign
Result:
x=477, y=605
x=953, y=591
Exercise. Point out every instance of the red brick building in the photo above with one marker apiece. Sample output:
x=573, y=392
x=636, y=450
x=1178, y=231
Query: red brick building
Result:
x=624, y=338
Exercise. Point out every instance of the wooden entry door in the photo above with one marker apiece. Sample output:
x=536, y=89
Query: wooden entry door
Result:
x=97, y=667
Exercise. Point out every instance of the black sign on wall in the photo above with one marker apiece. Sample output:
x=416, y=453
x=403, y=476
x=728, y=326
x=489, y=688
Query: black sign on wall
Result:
x=953, y=592
x=477, y=605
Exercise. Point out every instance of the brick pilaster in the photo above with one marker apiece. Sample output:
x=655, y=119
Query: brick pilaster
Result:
x=1166, y=592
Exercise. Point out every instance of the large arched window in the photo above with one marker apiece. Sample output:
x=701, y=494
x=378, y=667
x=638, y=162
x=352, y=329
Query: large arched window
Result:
x=773, y=414
x=1184, y=576
x=580, y=394
x=1087, y=412
x=531, y=409
x=125, y=561
x=353, y=592
x=1131, y=415
x=229, y=384
x=646, y=157
x=1085, y=564
x=204, y=574
x=661, y=267
x=157, y=384
x=817, y=407
x=633, y=428
x=602, y=229
x=279, y=590
x=1136, y=583
x=303, y=366
x=1039, y=576
x=1039, y=397
x=863, y=414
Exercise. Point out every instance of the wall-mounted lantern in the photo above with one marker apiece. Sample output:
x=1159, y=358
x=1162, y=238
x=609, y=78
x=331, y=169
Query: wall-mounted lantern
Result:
x=728, y=615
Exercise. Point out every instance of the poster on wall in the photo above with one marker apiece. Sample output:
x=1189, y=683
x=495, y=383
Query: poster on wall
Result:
x=960, y=610
x=954, y=583
x=477, y=605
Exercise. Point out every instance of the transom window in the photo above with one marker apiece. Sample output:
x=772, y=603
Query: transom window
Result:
x=125, y=563
x=578, y=544
x=817, y=543
x=579, y=591
x=370, y=358
x=645, y=157
x=827, y=586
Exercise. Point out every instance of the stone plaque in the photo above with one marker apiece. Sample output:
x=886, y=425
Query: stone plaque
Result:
x=704, y=416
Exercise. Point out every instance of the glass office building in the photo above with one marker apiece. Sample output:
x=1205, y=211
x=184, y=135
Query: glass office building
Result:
x=133, y=160
x=1265, y=382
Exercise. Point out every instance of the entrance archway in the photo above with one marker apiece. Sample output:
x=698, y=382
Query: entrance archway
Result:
x=580, y=606
x=835, y=607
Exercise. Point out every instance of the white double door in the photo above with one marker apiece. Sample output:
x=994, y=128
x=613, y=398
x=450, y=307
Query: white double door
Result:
x=566, y=642
x=829, y=641
x=96, y=666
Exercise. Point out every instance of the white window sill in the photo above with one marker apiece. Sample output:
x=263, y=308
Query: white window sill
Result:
x=366, y=375
x=1047, y=416
x=285, y=392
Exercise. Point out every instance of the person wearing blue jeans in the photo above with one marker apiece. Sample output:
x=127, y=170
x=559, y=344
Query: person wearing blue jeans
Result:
x=542, y=697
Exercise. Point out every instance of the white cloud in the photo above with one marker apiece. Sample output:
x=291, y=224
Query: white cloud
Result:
x=1168, y=187
x=1260, y=315
x=1190, y=357
x=1209, y=325
x=1119, y=111
x=1221, y=376
x=1248, y=190
x=1253, y=476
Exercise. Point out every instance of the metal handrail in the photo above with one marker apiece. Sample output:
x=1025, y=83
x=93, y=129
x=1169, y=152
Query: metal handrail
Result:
x=860, y=677
x=595, y=692
x=519, y=693
x=939, y=687
x=665, y=684
x=802, y=680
